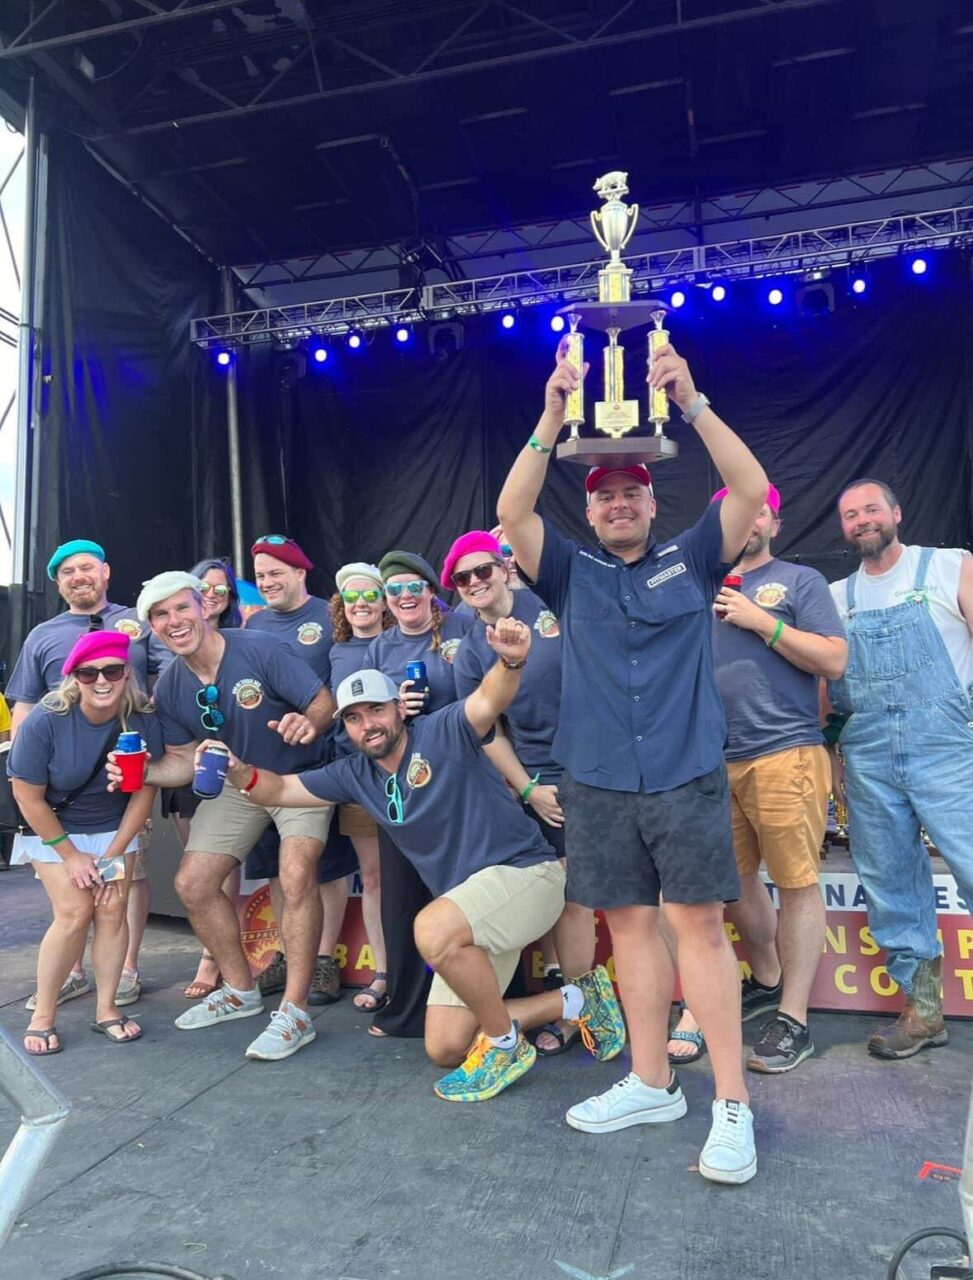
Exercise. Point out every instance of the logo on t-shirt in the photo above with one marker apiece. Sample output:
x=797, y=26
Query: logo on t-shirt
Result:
x=673, y=571
x=447, y=650
x=419, y=772
x=248, y=693
x=547, y=625
x=129, y=627
x=309, y=633
x=770, y=595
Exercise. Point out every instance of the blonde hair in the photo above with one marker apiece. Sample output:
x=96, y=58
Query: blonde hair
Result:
x=68, y=695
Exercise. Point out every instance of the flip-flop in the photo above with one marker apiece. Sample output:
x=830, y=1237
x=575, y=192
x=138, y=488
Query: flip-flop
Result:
x=564, y=1043
x=690, y=1037
x=103, y=1029
x=381, y=999
x=200, y=990
x=46, y=1037
x=379, y=1034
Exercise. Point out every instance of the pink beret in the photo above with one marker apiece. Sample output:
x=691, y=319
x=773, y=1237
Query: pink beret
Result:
x=475, y=540
x=773, y=498
x=97, y=644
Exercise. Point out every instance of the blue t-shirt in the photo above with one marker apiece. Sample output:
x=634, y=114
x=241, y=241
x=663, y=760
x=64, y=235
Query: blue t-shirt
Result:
x=532, y=718
x=347, y=657
x=459, y=815
x=259, y=679
x=307, y=631
x=390, y=652
x=38, y=668
x=59, y=751
x=639, y=706
x=770, y=704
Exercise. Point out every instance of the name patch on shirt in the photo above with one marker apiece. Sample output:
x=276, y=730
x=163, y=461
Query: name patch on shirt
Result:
x=667, y=551
x=604, y=563
x=673, y=571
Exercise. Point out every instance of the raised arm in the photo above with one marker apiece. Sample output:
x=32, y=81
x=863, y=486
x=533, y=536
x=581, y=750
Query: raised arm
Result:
x=510, y=641
x=270, y=789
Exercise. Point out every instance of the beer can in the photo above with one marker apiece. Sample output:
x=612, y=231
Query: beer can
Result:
x=129, y=743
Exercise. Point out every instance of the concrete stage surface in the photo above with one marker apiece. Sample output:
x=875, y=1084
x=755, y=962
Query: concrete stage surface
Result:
x=341, y=1164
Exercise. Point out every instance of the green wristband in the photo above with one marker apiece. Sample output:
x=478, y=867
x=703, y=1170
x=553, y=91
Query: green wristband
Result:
x=776, y=636
x=536, y=445
x=525, y=794
x=57, y=840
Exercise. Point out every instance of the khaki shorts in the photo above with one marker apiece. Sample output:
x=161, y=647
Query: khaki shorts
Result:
x=779, y=806
x=353, y=820
x=507, y=908
x=233, y=824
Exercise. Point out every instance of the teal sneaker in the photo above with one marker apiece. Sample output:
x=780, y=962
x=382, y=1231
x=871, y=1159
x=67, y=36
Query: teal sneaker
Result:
x=601, y=1022
x=487, y=1071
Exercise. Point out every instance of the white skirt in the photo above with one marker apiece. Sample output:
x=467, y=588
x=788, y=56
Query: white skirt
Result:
x=94, y=843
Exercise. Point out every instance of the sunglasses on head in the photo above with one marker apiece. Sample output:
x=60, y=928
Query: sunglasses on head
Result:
x=113, y=672
x=414, y=588
x=211, y=717
x=277, y=540
x=216, y=589
x=481, y=572
x=370, y=595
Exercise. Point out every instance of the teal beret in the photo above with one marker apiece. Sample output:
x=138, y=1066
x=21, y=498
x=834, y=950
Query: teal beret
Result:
x=73, y=548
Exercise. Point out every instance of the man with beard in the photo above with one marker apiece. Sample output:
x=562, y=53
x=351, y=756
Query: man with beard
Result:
x=907, y=744
x=772, y=640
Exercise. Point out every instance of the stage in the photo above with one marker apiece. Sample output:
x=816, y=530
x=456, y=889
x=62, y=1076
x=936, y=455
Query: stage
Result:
x=341, y=1164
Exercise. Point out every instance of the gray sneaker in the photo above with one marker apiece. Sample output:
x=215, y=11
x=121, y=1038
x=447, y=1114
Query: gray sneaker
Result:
x=72, y=988
x=325, y=982
x=274, y=977
x=221, y=1006
x=290, y=1029
x=129, y=991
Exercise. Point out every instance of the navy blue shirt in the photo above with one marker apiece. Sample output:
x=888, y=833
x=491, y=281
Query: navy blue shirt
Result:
x=458, y=814
x=59, y=751
x=532, y=718
x=259, y=679
x=307, y=631
x=347, y=657
x=639, y=706
x=390, y=652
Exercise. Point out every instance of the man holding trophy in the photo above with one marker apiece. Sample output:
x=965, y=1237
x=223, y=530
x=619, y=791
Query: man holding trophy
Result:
x=641, y=732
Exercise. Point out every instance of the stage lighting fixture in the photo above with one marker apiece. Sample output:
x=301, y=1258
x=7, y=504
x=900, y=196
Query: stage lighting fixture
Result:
x=354, y=341
x=320, y=354
x=859, y=284
x=402, y=334
x=775, y=297
x=919, y=266
x=815, y=299
x=508, y=319
x=678, y=298
x=718, y=292
x=445, y=340
x=223, y=358
x=557, y=324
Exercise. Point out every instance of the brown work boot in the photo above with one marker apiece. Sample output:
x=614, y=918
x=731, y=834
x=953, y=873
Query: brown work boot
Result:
x=325, y=982
x=920, y=1025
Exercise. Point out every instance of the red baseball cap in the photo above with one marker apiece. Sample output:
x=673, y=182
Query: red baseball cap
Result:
x=595, y=476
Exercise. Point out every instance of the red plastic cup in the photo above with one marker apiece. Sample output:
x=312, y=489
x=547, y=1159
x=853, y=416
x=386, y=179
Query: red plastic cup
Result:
x=132, y=765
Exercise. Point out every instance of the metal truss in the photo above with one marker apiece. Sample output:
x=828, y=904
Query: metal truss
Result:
x=9, y=320
x=786, y=253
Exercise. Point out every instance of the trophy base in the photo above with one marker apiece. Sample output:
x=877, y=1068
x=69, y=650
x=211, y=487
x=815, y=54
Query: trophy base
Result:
x=615, y=315
x=617, y=453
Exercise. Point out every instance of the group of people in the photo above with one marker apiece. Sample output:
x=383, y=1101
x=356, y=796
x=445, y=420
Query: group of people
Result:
x=620, y=727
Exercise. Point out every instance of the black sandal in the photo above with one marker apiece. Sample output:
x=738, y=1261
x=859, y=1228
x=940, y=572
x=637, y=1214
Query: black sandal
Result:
x=381, y=998
x=564, y=1043
x=104, y=1029
x=46, y=1037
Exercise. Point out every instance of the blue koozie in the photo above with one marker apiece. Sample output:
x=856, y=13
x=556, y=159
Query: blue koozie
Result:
x=416, y=672
x=211, y=772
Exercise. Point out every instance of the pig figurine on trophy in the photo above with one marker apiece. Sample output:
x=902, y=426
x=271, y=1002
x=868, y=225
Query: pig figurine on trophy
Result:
x=614, y=312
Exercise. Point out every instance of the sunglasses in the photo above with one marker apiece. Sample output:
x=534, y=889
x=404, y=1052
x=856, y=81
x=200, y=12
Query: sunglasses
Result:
x=211, y=717
x=394, y=808
x=414, y=588
x=277, y=540
x=482, y=573
x=370, y=595
x=113, y=672
x=217, y=590
x=96, y=622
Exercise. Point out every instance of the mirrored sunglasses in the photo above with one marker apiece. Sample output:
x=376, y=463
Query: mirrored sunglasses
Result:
x=211, y=717
x=414, y=588
x=370, y=595
x=215, y=589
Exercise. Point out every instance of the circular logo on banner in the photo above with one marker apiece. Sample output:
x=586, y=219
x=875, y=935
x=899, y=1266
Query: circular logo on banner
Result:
x=129, y=627
x=309, y=633
x=770, y=594
x=249, y=694
x=258, y=930
x=447, y=649
x=419, y=772
x=547, y=625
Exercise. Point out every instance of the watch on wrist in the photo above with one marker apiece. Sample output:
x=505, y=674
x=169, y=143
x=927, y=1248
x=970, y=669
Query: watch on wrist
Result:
x=695, y=409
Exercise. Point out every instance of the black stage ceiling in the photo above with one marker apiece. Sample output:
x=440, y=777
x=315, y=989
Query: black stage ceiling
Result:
x=275, y=128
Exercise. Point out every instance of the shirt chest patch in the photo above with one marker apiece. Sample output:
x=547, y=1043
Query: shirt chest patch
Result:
x=129, y=627
x=309, y=633
x=547, y=625
x=447, y=650
x=673, y=571
x=419, y=772
x=770, y=594
x=249, y=693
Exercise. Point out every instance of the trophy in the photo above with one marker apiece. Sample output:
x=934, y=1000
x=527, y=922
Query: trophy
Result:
x=614, y=312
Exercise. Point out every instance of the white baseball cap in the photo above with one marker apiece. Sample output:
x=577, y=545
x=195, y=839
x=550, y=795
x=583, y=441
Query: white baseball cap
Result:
x=364, y=686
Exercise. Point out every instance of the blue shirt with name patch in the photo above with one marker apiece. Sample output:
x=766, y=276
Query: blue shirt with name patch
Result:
x=458, y=814
x=639, y=706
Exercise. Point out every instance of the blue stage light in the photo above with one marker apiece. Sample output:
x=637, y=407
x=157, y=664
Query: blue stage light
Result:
x=718, y=292
x=775, y=297
x=223, y=358
x=508, y=319
x=320, y=355
x=678, y=298
x=402, y=334
x=557, y=324
x=919, y=266
x=354, y=341
x=859, y=284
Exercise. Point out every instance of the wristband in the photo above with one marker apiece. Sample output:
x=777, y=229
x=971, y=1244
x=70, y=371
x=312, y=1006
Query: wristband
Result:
x=514, y=666
x=525, y=794
x=57, y=840
x=536, y=445
x=776, y=636
x=695, y=409
x=252, y=783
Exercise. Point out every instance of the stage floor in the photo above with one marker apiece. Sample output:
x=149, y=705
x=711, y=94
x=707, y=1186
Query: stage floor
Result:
x=341, y=1164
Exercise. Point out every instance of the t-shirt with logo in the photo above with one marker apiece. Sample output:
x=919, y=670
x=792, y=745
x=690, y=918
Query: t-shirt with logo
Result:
x=458, y=814
x=347, y=657
x=307, y=631
x=59, y=752
x=941, y=593
x=770, y=704
x=259, y=679
x=532, y=718
x=392, y=650
x=47, y=646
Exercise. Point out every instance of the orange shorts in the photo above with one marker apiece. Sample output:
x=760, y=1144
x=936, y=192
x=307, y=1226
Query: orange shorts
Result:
x=779, y=806
x=354, y=821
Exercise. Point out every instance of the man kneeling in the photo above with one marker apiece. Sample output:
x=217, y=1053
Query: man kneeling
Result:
x=499, y=885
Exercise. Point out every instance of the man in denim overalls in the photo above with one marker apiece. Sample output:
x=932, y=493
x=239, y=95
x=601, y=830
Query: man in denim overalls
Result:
x=907, y=744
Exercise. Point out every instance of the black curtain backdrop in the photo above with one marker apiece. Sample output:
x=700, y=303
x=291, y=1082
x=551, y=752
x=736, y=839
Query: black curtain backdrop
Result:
x=390, y=447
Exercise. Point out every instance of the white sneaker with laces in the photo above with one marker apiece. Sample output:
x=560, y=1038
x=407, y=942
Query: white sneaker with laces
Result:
x=629, y=1102
x=729, y=1154
x=221, y=1006
x=290, y=1029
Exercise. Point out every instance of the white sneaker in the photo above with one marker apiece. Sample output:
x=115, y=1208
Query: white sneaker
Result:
x=626, y=1103
x=729, y=1154
x=290, y=1029
x=221, y=1006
